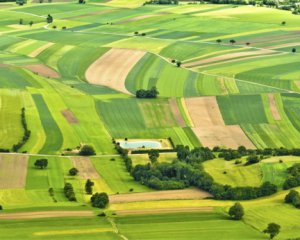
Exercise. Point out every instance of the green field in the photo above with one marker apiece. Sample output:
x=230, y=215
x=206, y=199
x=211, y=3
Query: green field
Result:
x=253, y=82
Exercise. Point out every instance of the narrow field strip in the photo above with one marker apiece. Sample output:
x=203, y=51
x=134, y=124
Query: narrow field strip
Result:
x=85, y=168
x=45, y=214
x=274, y=110
x=42, y=70
x=39, y=50
x=73, y=231
x=159, y=195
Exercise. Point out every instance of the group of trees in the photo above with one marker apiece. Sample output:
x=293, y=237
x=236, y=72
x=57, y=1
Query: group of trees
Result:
x=69, y=192
x=49, y=19
x=21, y=2
x=163, y=2
x=293, y=179
x=151, y=93
x=293, y=198
x=89, y=187
x=87, y=150
x=41, y=163
x=26, y=134
x=100, y=200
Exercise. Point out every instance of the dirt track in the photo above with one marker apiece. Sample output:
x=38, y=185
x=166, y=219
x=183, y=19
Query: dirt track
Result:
x=176, y=112
x=45, y=214
x=209, y=125
x=112, y=68
x=159, y=195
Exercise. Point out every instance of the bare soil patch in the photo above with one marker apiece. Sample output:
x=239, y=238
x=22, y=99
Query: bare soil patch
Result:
x=164, y=210
x=176, y=112
x=159, y=195
x=13, y=171
x=85, y=167
x=39, y=50
x=45, y=214
x=42, y=70
x=112, y=68
x=227, y=57
x=68, y=114
x=209, y=125
x=273, y=107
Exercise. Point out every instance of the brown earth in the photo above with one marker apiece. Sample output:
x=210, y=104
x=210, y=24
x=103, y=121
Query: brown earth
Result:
x=42, y=70
x=209, y=125
x=159, y=195
x=45, y=214
x=68, y=114
x=164, y=210
x=227, y=56
x=85, y=167
x=112, y=68
x=13, y=171
x=273, y=107
x=39, y=50
x=176, y=112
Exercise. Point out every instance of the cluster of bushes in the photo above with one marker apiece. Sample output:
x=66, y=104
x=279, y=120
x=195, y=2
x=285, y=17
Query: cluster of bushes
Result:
x=196, y=155
x=89, y=186
x=180, y=174
x=5, y=150
x=124, y=154
x=293, y=198
x=69, y=192
x=100, y=200
x=163, y=2
x=293, y=179
x=229, y=154
x=41, y=163
x=152, y=93
x=26, y=135
x=87, y=150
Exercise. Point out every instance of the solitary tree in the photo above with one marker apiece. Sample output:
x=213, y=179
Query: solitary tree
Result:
x=236, y=211
x=73, y=171
x=30, y=23
x=232, y=41
x=100, y=200
x=283, y=23
x=87, y=150
x=294, y=50
x=178, y=63
x=21, y=21
x=219, y=41
x=89, y=186
x=273, y=229
x=21, y=2
x=247, y=43
x=41, y=163
x=49, y=19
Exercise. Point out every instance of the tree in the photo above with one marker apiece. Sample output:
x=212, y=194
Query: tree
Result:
x=219, y=41
x=290, y=196
x=21, y=21
x=89, y=187
x=247, y=43
x=30, y=23
x=87, y=150
x=283, y=23
x=294, y=50
x=236, y=211
x=21, y=2
x=73, y=171
x=41, y=163
x=178, y=63
x=252, y=159
x=49, y=19
x=100, y=200
x=232, y=41
x=273, y=229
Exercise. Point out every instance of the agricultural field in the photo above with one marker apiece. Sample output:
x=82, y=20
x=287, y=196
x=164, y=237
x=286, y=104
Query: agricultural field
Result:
x=226, y=75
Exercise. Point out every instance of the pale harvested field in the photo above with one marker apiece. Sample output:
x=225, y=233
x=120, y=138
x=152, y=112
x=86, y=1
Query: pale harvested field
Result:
x=39, y=50
x=209, y=125
x=45, y=214
x=164, y=210
x=292, y=44
x=85, y=168
x=159, y=195
x=228, y=57
x=140, y=18
x=176, y=112
x=273, y=107
x=42, y=70
x=69, y=116
x=112, y=68
x=13, y=171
